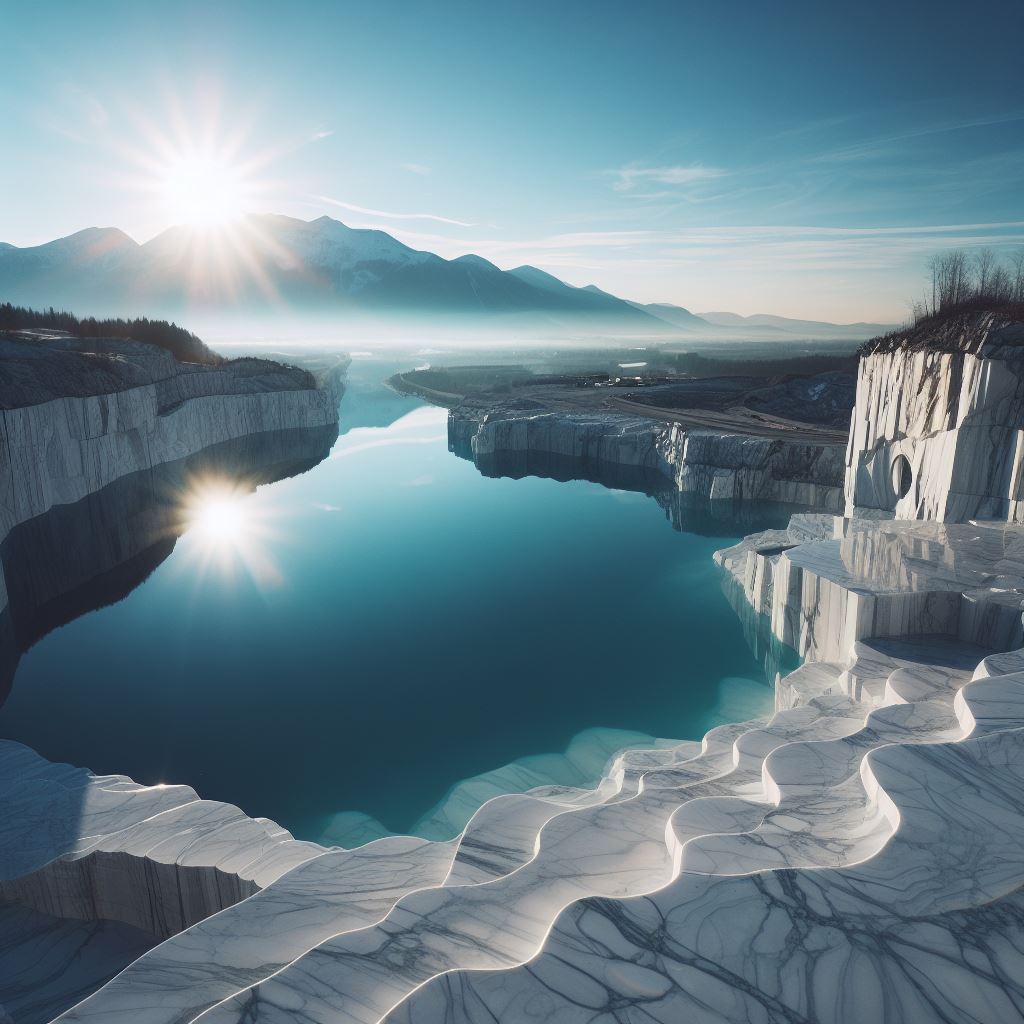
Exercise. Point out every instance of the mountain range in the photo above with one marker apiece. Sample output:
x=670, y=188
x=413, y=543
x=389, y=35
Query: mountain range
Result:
x=272, y=263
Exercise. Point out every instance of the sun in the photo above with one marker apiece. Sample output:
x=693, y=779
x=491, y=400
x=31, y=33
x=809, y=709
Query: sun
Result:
x=203, y=192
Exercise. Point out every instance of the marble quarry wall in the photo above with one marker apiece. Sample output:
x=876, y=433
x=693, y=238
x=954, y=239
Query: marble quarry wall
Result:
x=621, y=441
x=826, y=582
x=739, y=467
x=939, y=434
x=701, y=463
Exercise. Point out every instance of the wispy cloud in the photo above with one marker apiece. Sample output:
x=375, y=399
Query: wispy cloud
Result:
x=384, y=442
x=509, y=246
x=627, y=178
x=421, y=169
x=663, y=194
x=885, y=145
x=388, y=215
x=72, y=113
x=322, y=134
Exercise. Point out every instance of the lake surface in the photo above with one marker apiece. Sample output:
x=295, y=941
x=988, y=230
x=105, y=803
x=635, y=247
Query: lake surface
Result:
x=338, y=649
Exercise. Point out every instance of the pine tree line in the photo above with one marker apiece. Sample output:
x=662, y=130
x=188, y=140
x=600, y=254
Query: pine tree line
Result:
x=181, y=343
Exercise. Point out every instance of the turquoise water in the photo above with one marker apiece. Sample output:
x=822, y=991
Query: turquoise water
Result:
x=361, y=637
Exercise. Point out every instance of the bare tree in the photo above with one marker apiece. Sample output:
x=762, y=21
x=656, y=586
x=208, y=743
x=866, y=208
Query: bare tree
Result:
x=950, y=279
x=1017, y=274
x=979, y=280
x=1000, y=286
x=984, y=263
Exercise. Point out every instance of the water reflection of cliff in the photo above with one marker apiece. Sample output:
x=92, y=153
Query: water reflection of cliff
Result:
x=519, y=464
x=775, y=657
x=686, y=512
x=79, y=557
x=724, y=517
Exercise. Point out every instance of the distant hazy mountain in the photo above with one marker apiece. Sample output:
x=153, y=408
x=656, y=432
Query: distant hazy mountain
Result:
x=589, y=299
x=676, y=315
x=314, y=266
x=272, y=263
x=779, y=326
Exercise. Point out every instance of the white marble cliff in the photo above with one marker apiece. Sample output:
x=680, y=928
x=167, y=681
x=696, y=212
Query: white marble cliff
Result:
x=853, y=858
x=938, y=429
x=701, y=463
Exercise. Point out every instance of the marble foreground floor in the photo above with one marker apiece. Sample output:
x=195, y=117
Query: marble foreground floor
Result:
x=841, y=861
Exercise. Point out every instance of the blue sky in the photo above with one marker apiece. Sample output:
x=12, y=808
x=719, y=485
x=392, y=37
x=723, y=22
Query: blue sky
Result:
x=801, y=159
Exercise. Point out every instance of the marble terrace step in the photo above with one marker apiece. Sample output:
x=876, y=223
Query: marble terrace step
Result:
x=157, y=858
x=502, y=835
x=714, y=757
x=613, y=849
x=821, y=814
x=810, y=680
x=840, y=822
x=931, y=658
x=933, y=903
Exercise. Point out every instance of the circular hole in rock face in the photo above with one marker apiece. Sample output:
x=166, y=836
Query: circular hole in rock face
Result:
x=902, y=476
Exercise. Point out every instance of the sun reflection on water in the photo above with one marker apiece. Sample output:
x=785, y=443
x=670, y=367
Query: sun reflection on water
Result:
x=228, y=531
x=218, y=520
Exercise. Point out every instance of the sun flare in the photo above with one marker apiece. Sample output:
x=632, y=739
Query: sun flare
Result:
x=218, y=519
x=229, y=533
x=204, y=192
x=216, y=512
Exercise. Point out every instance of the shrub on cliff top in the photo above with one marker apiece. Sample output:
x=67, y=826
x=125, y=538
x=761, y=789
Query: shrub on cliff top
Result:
x=958, y=329
x=969, y=292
